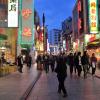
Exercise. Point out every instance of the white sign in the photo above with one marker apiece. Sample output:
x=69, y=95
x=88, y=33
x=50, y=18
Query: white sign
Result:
x=12, y=13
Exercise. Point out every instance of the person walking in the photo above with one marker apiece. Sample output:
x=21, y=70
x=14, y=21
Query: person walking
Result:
x=29, y=61
x=38, y=60
x=52, y=62
x=85, y=63
x=78, y=63
x=46, y=62
x=93, y=63
x=20, y=63
x=75, y=69
x=71, y=63
x=61, y=70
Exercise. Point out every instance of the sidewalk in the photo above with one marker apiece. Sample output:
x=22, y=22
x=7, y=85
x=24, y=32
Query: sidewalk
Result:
x=77, y=88
x=97, y=72
x=13, y=86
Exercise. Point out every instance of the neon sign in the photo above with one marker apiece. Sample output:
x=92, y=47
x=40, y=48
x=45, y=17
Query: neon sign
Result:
x=12, y=13
x=27, y=31
x=26, y=13
x=80, y=17
x=93, y=16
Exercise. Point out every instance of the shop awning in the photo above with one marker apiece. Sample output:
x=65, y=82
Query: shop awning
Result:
x=94, y=44
x=26, y=45
x=3, y=37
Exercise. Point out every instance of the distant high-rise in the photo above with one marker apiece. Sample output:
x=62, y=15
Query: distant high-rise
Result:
x=53, y=36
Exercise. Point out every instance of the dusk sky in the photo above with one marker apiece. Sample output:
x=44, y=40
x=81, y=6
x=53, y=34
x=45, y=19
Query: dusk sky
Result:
x=55, y=11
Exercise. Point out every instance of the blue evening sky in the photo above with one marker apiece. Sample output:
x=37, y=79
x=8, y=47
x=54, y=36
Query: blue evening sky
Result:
x=55, y=11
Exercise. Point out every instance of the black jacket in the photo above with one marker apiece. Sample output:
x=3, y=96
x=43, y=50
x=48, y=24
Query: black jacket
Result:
x=85, y=60
x=61, y=67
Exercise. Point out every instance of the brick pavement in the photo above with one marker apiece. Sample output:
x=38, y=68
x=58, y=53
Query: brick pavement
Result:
x=78, y=88
x=13, y=86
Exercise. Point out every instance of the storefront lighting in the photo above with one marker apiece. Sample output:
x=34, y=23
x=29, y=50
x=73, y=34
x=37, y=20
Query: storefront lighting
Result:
x=3, y=48
x=38, y=28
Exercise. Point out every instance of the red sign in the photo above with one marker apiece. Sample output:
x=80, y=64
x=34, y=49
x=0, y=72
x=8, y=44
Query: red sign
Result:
x=27, y=32
x=26, y=13
x=2, y=31
x=92, y=38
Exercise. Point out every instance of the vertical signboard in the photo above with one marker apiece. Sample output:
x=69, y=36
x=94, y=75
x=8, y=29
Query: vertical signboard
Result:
x=93, y=16
x=27, y=14
x=12, y=13
x=80, y=17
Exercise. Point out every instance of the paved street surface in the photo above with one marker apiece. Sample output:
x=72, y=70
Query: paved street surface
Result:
x=13, y=87
x=97, y=72
x=78, y=88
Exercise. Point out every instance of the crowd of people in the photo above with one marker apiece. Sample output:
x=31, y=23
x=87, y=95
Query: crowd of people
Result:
x=21, y=61
x=59, y=64
x=76, y=62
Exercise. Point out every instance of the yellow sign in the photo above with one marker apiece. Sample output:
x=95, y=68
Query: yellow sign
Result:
x=93, y=16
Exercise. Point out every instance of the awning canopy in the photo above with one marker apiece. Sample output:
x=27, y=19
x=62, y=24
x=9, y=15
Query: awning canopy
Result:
x=26, y=45
x=94, y=44
x=3, y=37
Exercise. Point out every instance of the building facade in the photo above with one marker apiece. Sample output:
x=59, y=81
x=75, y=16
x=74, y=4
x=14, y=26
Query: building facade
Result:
x=53, y=38
x=67, y=34
x=3, y=13
x=86, y=29
x=8, y=36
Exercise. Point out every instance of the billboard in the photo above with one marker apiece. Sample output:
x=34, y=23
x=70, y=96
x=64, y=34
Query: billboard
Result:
x=12, y=13
x=9, y=13
x=26, y=22
x=93, y=16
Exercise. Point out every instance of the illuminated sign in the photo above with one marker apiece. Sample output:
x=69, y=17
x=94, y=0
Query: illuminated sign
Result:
x=91, y=37
x=26, y=22
x=27, y=31
x=93, y=16
x=80, y=17
x=2, y=31
x=26, y=13
x=12, y=13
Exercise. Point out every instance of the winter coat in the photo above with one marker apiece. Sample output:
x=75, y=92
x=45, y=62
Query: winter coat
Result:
x=61, y=67
x=85, y=60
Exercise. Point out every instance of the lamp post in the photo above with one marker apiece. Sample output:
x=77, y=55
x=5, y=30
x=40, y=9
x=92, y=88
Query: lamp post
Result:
x=43, y=20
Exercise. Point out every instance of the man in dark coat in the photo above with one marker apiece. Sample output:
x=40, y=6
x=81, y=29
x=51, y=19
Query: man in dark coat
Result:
x=61, y=74
x=29, y=61
x=78, y=63
x=20, y=62
x=46, y=62
x=85, y=63
x=71, y=63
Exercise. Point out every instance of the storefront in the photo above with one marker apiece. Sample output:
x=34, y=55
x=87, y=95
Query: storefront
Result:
x=8, y=44
x=92, y=43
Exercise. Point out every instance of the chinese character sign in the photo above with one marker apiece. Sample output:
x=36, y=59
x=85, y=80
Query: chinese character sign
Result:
x=27, y=31
x=26, y=13
x=12, y=13
x=93, y=16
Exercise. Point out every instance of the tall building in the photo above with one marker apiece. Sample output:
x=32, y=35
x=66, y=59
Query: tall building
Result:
x=53, y=38
x=67, y=34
